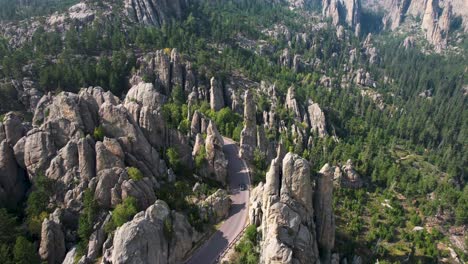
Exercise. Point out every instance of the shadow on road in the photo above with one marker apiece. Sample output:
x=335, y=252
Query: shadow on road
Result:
x=236, y=208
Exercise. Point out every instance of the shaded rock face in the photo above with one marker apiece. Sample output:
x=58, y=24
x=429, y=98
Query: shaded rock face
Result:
x=343, y=12
x=325, y=219
x=146, y=239
x=248, y=140
x=12, y=177
x=216, y=206
x=154, y=12
x=283, y=208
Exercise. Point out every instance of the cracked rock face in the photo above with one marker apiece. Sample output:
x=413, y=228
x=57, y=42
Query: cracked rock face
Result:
x=154, y=12
x=343, y=12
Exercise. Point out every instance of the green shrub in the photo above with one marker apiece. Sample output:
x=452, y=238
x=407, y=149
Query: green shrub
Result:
x=200, y=158
x=25, y=252
x=122, y=214
x=168, y=228
x=247, y=247
x=173, y=158
x=135, y=174
x=98, y=133
x=36, y=205
x=86, y=221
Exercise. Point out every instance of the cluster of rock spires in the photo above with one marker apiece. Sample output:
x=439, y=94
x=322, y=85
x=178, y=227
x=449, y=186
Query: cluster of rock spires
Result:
x=216, y=165
x=436, y=17
x=347, y=12
x=60, y=147
x=296, y=219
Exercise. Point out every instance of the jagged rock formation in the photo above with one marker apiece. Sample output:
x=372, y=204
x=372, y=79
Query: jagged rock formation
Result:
x=215, y=166
x=317, y=119
x=283, y=207
x=343, y=12
x=52, y=249
x=154, y=12
x=60, y=147
x=347, y=177
x=436, y=17
x=292, y=104
x=148, y=238
x=216, y=206
x=325, y=219
x=248, y=140
x=216, y=95
x=217, y=162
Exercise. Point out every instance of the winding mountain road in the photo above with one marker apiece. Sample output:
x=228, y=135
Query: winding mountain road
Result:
x=238, y=174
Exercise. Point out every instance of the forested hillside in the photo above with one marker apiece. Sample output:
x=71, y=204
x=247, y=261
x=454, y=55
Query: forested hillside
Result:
x=388, y=117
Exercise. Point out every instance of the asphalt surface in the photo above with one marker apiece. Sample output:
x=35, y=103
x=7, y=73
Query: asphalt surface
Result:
x=234, y=224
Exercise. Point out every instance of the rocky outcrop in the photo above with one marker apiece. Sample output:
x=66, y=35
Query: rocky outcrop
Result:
x=216, y=95
x=325, y=219
x=154, y=12
x=296, y=221
x=343, y=12
x=156, y=235
x=317, y=119
x=52, y=248
x=292, y=104
x=395, y=15
x=248, y=140
x=347, y=177
x=217, y=162
x=12, y=177
x=436, y=17
x=287, y=227
x=216, y=206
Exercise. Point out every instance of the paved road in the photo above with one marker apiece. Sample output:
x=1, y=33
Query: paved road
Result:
x=234, y=224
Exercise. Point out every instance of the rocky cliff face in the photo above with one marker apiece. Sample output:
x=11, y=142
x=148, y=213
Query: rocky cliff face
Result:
x=285, y=208
x=346, y=12
x=154, y=12
x=436, y=17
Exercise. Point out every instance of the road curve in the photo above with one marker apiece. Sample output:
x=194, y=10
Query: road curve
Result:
x=235, y=223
